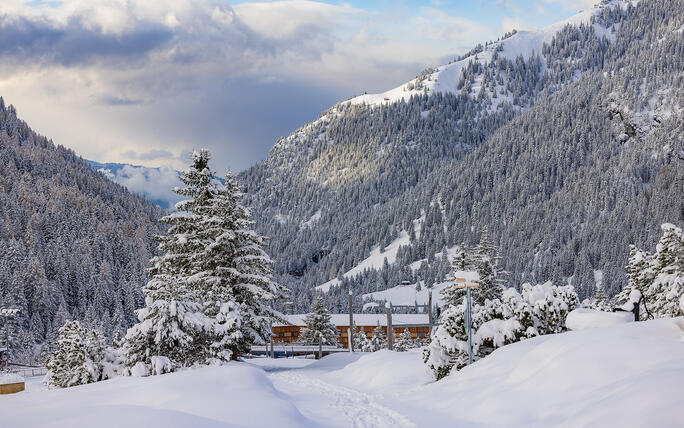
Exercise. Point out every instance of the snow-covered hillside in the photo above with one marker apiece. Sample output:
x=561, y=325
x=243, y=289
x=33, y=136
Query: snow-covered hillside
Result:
x=625, y=375
x=523, y=43
x=377, y=257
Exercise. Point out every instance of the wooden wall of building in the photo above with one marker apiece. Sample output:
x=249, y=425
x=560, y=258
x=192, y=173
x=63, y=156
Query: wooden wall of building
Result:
x=290, y=333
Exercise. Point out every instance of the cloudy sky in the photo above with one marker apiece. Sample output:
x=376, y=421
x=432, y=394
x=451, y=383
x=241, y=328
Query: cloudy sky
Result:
x=145, y=81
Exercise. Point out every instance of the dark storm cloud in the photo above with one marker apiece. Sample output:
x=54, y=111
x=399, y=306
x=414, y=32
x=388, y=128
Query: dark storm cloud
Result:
x=37, y=40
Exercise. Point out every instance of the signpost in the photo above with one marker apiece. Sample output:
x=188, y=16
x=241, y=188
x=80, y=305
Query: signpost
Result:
x=468, y=285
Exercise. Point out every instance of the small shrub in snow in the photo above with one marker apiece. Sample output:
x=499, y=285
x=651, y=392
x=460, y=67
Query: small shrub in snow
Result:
x=161, y=365
x=539, y=309
x=78, y=358
x=140, y=369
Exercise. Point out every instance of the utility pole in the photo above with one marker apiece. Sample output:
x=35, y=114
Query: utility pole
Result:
x=469, y=318
x=430, y=307
x=390, y=331
x=350, y=332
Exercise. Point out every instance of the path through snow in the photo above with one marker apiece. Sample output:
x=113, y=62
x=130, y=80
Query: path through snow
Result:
x=330, y=404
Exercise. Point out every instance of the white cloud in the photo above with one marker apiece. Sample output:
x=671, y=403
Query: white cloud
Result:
x=109, y=77
x=574, y=4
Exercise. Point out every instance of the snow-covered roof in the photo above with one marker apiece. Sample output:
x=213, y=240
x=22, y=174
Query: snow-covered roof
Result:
x=363, y=319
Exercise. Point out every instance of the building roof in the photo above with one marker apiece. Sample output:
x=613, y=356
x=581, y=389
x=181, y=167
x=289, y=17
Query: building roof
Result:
x=363, y=319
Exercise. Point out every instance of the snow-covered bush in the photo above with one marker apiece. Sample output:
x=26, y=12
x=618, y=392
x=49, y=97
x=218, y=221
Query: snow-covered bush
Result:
x=538, y=309
x=161, y=365
x=659, y=277
x=79, y=357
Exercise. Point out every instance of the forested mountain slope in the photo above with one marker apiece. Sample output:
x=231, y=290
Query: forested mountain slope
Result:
x=74, y=244
x=567, y=154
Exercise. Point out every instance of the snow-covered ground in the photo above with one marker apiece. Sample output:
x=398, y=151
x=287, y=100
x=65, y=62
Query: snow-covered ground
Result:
x=624, y=375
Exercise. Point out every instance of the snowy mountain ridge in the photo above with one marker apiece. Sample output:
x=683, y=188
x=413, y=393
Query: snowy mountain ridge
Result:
x=445, y=78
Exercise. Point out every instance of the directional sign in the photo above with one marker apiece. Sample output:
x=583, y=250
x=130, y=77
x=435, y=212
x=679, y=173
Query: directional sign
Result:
x=471, y=284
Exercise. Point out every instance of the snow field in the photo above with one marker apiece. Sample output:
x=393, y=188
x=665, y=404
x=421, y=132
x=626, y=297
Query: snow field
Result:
x=629, y=374
x=228, y=396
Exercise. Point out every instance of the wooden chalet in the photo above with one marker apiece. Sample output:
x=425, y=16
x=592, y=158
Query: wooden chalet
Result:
x=417, y=324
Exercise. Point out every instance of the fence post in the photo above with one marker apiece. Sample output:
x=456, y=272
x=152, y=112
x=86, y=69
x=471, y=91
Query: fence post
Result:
x=390, y=331
x=469, y=324
x=351, y=322
x=320, y=345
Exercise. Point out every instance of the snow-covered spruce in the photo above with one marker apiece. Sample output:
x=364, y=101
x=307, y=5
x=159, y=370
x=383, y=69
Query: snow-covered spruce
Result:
x=539, y=309
x=483, y=259
x=658, y=277
x=377, y=341
x=360, y=339
x=80, y=357
x=318, y=323
x=208, y=299
x=404, y=341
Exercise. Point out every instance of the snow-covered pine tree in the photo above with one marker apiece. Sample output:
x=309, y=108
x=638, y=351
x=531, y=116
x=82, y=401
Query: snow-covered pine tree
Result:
x=599, y=300
x=659, y=276
x=461, y=262
x=318, y=322
x=640, y=275
x=664, y=292
x=77, y=359
x=236, y=276
x=359, y=337
x=379, y=340
x=404, y=341
x=485, y=260
x=173, y=323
